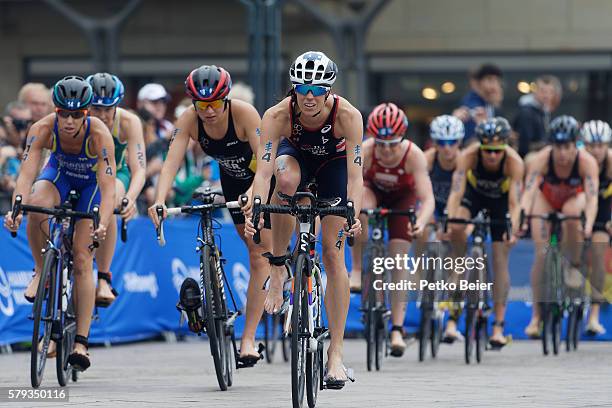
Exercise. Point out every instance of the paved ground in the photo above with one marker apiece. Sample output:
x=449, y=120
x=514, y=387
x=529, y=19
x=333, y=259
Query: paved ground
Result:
x=181, y=375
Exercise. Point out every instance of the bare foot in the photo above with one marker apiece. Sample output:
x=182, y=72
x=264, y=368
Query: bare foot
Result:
x=32, y=288
x=533, y=329
x=397, y=341
x=80, y=349
x=498, y=336
x=274, y=299
x=247, y=348
x=51, y=350
x=104, y=293
x=335, y=368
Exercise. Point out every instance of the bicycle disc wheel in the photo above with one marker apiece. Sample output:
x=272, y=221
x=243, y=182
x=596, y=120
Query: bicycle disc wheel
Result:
x=208, y=311
x=44, y=304
x=424, y=331
x=470, y=333
x=64, y=347
x=298, y=341
x=557, y=318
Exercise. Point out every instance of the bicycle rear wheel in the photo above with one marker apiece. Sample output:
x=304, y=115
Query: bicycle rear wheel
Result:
x=44, y=305
x=209, y=311
x=298, y=341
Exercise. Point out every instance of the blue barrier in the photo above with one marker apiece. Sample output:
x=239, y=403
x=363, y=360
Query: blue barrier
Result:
x=149, y=277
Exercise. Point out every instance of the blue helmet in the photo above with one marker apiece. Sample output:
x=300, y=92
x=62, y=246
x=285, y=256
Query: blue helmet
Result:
x=108, y=90
x=72, y=93
x=564, y=129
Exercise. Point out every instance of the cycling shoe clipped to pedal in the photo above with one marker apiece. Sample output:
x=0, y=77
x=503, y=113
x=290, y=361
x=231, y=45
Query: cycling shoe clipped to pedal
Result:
x=190, y=302
x=332, y=383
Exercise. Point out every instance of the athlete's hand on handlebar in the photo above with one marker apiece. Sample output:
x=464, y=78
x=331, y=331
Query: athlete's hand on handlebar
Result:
x=128, y=208
x=153, y=213
x=246, y=204
x=99, y=234
x=355, y=229
x=415, y=230
x=11, y=225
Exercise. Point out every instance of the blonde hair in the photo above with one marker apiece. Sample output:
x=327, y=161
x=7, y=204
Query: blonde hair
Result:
x=243, y=92
x=32, y=86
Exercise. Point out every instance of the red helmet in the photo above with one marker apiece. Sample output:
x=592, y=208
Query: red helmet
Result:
x=387, y=121
x=208, y=83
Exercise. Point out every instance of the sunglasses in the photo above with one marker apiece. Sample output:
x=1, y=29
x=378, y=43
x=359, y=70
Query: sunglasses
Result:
x=448, y=142
x=216, y=104
x=76, y=114
x=389, y=143
x=315, y=89
x=497, y=149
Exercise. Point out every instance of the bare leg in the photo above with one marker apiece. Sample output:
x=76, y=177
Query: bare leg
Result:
x=540, y=233
x=369, y=201
x=501, y=288
x=398, y=297
x=44, y=194
x=106, y=251
x=83, y=280
x=287, y=173
x=256, y=296
x=337, y=294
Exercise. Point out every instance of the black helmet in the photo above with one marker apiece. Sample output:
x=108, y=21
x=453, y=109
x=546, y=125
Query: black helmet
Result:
x=108, y=89
x=564, y=129
x=493, y=130
x=72, y=93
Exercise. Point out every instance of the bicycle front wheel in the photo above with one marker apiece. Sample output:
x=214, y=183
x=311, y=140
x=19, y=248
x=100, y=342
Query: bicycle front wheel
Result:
x=65, y=345
x=298, y=339
x=209, y=311
x=44, y=305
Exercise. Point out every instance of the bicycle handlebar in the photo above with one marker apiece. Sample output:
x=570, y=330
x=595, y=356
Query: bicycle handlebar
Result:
x=188, y=209
x=315, y=208
x=19, y=207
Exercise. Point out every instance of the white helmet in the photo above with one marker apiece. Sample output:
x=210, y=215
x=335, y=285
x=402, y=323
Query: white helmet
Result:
x=313, y=68
x=596, y=131
x=446, y=127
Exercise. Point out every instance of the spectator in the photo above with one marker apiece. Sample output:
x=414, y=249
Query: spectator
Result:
x=535, y=109
x=483, y=100
x=38, y=97
x=152, y=105
x=17, y=120
x=9, y=167
x=242, y=92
